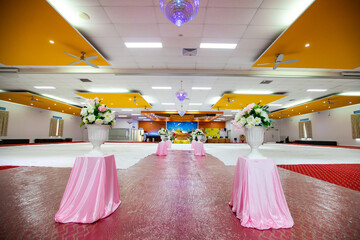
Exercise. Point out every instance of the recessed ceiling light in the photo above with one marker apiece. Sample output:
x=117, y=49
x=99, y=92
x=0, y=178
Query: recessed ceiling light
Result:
x=218, y=45
x=168, y=103
x=350, y=94
x=201, y=88
x=253, y=92
x=9, y=98
x=307, y=45
x=161, y=87
x=54, y=103
x=126, y=110
x=122, y=115
x=48, y=107
x=316, y=90
x=62, y=110
x=234, y=110
x=83, y=16
x=195, y=104
x=31, y=104
x=135, y=114
x=171, y=110
x=44, y=87
x=349, y=102
x=51, y=42
x=108, y=90
x=143, y=44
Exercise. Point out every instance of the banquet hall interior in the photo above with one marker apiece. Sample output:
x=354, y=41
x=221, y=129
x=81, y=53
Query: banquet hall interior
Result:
x=155, y=70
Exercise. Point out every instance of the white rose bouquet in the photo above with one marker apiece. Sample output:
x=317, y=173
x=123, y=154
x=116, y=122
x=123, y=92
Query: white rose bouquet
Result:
x=199, y=132
x=94, y=112
x=163, y=131
x=252, y=115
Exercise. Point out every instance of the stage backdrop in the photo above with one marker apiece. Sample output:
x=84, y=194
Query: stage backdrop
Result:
x=182, y=126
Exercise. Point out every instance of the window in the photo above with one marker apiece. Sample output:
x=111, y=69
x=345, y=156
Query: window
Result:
x=4, y=117
x=56, y=127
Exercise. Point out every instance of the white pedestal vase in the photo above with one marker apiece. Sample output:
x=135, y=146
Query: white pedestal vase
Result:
x=97, y=135
x=162, y=138
x=255, y=137
x=199, y=137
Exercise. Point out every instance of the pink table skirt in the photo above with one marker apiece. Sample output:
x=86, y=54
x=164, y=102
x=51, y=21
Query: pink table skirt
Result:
x=168, y=144
x=193, y=144
x=161, y=149
x=92, y=192
x=257, y=196
x=199, y=149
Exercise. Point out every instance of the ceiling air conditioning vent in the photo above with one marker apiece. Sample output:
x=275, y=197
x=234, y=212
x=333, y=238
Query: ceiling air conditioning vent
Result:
x=85, y=80
x=190, y=52
x=266, y=82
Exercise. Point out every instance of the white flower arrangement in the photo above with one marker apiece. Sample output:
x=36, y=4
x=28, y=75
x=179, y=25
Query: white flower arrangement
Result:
x=252, y=115
x=198, y=132
x=163, y=131
x=94, y=112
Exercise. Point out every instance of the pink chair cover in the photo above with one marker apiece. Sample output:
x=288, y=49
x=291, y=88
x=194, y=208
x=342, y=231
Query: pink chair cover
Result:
x=193, y=144
x=92, y=191
x=168, y=144
x=199, y=149
x=257, y=196
x=161, y=149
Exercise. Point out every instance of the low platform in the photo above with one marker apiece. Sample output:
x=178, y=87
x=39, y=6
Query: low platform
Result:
x=327, y=143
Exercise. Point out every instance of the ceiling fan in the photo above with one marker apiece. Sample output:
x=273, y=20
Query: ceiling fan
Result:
x=34, y=99
x=230, y=101
x=279, y=59
x=136, y=101
x=83, y=59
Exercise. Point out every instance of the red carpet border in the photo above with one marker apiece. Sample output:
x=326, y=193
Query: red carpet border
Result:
x=7, y=167
x=346, y=175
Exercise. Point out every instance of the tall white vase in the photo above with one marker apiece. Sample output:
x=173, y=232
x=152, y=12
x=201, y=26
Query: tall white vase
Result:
x=255, y=137
x=163, y=138
x=199, y=137
x=97, y=135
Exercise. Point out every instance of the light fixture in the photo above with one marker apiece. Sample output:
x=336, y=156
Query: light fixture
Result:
x=195, y=104
x=171, y=110
x=179, y=11
x=51, y=42
x=218, y=45
x=167, y=103
x=141, y=117
x=307, y=45
x=181, y=94
x=161, y=88
x=297, y=103
x=316, y=90
x=201, y=88
x=143, y=44
x=44, y=87
x=274, y=105
x=122, y=115
x=126, y=110
x=193, y=110
x=135, y=114
x=234, y=110
x=108, y=90
x=350, y=94
x=59, y=99
x=253, y=92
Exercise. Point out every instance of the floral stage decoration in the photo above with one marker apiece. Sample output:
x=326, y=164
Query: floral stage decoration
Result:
x=252, y=115
x=94, y=112
x=163, y=131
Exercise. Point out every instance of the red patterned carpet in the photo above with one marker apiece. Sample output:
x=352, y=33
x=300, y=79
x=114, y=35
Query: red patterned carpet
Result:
x=346, y=175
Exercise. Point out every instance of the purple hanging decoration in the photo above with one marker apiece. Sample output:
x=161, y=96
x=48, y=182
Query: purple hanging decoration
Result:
x=181, y=113
x=181, y=95
x=179, y=11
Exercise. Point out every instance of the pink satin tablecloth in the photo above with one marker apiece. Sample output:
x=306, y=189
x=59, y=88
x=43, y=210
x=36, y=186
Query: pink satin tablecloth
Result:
x=257, y=196
x=92, y=192
x=193, y=144
x=161, y=149
x=199, y=149
x=168, y=143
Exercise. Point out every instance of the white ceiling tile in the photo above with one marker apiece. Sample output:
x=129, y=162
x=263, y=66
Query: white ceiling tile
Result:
x=131, y=14
x=260, y=44
x=215, y=52
x=271, y=17
x=263, y=32
x=126, y=2
x=229, y=16
x=181, y=65
x=137, y=30
x=210, y=65
x=81, y=2
x=223, y=31
x=284, y=4
x=183, y=42
x=235, y=3
x=241, y=60
x=96, y=14
x=187, y=30
x=232, y=67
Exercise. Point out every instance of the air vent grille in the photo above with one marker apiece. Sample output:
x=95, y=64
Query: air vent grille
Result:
x=190, y=52
x=85, y=80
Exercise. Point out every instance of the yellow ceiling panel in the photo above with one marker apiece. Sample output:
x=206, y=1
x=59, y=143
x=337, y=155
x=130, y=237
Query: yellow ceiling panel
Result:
x=317, y=106
x=119, y=100
x=28, y=26
x=33, y=100
x=329, y=26
x=239, y=101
